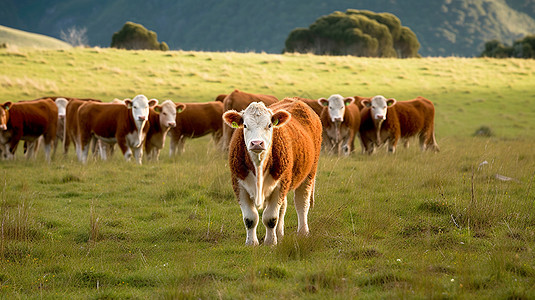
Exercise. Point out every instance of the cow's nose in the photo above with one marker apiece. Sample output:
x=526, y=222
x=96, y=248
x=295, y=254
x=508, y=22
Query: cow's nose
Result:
x=61, y=116
x=338, y=119
x=257, y=145
x=172, y=124
x=142, y=118
x=380, y=117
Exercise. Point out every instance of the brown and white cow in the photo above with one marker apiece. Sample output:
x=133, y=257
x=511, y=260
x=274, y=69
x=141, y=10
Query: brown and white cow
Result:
x=340, y=118
x=27, y=121
x=273, y=151
x=197, y=120
x=71, y=122
x=161, y=119
x=405, y=119
x=238, y=101
x=114, y=123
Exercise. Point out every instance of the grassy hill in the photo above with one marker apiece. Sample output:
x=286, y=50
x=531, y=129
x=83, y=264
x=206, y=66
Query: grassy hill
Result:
x=19, y=38
x=409, y=225
x=444, y=28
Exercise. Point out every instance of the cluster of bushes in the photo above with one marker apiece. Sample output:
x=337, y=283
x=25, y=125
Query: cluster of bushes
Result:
x=523, y=48
x=355, y=32
x=136, y=37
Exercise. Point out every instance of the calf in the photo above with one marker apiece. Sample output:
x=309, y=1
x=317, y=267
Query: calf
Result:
x=340, y=118
x=161, y=119
x=273, y=151
x=238, y=101
x=198, y=119
x=27, y=121
x=114, y=123
x=405, y=119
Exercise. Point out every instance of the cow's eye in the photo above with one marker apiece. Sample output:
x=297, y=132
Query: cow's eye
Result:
x=244, y=126
x=269, y=126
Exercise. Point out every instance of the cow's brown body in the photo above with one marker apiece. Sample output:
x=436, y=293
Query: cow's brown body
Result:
x=109, y=122
x=405, y=119
x=197, y=120
x=28, y=120
x=71, y=122
x=238, y=101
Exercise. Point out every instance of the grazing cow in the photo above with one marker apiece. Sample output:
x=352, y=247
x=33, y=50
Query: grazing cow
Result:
x=405, y=119
x=238, y=101
x=27, y=121
x=198, y=119
x=340, y=118
x=273, y=151
x=161, y=119
x=114, y=123
x=71, y=122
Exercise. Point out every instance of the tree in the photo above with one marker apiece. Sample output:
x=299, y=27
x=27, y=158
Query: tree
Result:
x=355, y=32
x=75, y=37
x=136, y=37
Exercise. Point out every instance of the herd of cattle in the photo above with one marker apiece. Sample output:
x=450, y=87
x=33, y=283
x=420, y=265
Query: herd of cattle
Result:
x=140, y=124
x=265, y=164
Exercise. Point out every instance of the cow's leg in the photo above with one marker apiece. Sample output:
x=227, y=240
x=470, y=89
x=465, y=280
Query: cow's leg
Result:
x=181, y=144
x=48, y=154
x=302, y=198
x=391, y=145
x=250, y=217
x=270, y=216
x=138, y=154
x=280, y=224
x=102, y=149
x=172, y=146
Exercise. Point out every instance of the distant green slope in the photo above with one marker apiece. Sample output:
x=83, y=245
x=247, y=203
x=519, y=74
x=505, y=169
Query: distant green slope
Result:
x=443, y=27
x=19, y=38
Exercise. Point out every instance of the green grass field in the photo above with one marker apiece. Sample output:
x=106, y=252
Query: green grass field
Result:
x=409, y=225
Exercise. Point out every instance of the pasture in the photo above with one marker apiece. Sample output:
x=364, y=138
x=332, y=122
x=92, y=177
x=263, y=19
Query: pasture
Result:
x=408, y=225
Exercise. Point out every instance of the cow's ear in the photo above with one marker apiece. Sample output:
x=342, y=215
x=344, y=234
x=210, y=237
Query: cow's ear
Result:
x=349, y=100
x=391, y=102
x=153, y=102
x=7, y=105
x=280, y=118
x=158, y=108
x=233, y=119
x=180, y=107
x=128, y=103
x=323, y=102
x=366, y=102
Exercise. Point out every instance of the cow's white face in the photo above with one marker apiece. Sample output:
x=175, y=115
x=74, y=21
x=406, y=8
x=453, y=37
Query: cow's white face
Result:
x=336, y=104
x=4, y=115
x=61, y=103
x=140, y=107
x=168, y=111
x=378, y=106
x=257, y=122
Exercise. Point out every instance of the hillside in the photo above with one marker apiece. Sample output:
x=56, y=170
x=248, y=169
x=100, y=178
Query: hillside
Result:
x=444, y=27
x=19, y=38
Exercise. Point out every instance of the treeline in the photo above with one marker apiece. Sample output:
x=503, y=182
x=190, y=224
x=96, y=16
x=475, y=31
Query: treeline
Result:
x=523, y=48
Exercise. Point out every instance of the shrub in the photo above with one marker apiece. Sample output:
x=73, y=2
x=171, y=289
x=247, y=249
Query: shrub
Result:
x=136, y=37
x=355, y=32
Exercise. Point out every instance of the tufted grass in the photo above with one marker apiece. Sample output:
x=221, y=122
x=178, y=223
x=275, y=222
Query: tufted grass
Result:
x=409, y=225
